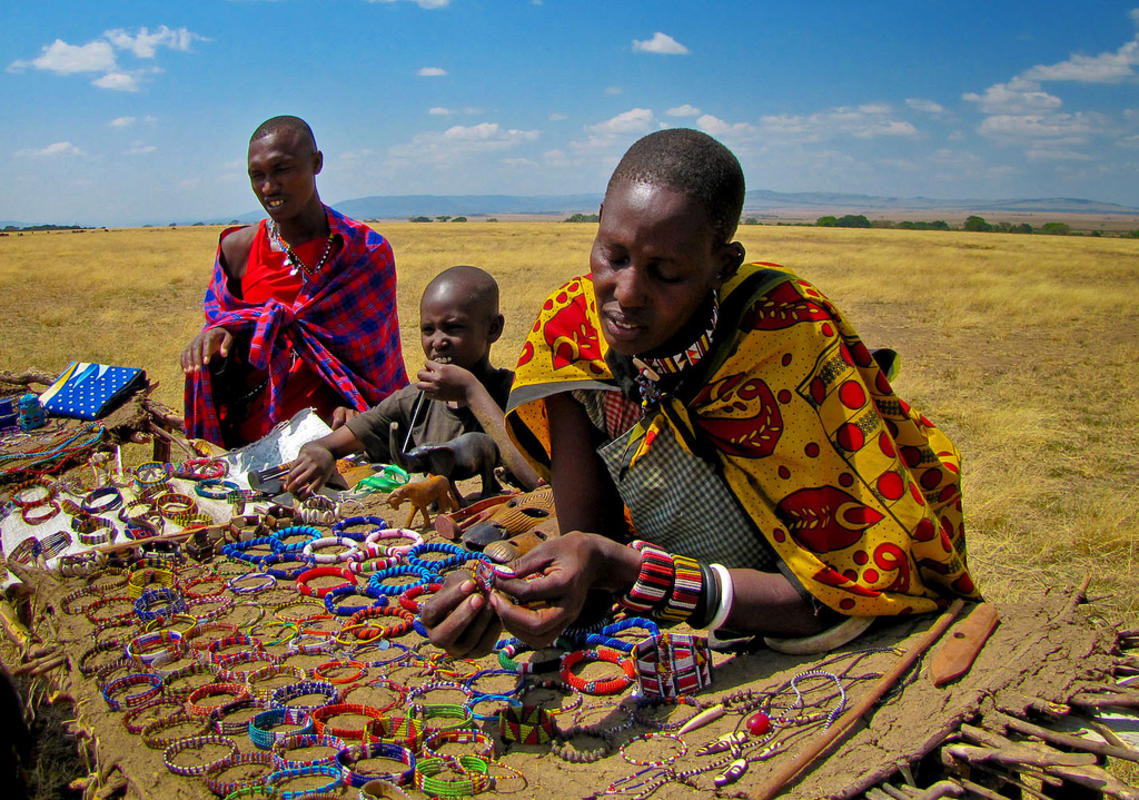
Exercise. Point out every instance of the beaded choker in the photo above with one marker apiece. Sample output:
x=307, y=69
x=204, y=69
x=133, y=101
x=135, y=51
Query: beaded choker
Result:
x=292, y=259
x=651, y=370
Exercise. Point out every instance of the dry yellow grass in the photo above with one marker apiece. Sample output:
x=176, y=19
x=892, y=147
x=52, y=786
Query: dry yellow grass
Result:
x=1025, y=349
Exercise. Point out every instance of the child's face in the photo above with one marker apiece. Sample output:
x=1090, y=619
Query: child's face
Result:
x=451, y=332
x=654, y=261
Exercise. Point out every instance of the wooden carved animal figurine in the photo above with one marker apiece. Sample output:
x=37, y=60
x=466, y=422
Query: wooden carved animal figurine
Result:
x=469, y=455
x=421, y=494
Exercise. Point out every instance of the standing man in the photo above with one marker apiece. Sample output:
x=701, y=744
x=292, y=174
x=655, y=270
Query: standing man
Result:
x=301, y=310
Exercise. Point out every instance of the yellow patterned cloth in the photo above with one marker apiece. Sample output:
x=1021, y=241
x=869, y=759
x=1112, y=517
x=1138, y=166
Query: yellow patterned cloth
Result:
x=858, y=494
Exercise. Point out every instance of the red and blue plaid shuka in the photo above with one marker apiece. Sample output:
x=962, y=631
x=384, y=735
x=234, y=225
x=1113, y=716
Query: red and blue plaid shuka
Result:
x=343, y=323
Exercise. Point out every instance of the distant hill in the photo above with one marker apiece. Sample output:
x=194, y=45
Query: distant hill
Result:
x=762, y=199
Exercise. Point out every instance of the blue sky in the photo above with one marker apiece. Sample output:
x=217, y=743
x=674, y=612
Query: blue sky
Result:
x=125, y=111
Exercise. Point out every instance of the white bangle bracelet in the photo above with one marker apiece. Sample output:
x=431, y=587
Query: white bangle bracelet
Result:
x=727, y=596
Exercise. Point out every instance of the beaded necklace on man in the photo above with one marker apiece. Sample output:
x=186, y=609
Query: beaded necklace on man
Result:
x=293, y=260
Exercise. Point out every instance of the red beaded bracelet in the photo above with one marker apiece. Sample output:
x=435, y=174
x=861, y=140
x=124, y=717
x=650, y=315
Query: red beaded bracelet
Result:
x=321, y=716
x=236, y=691
x=410, y=598
x=595, y=687
x=324, y=572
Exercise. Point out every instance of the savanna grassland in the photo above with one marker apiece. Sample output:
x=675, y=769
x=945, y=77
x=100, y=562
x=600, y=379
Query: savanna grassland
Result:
x=1025, y=349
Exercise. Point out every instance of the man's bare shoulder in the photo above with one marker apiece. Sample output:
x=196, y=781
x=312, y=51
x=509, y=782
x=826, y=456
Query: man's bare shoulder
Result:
x=235, y=248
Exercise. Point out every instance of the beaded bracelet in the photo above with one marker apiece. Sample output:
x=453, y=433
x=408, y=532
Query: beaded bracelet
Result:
x=560, y=748
x=437, y=686
x=274, y=671
x=335, y=597
x=200, y=469
x=306, y=770
x=21, y=502
x=320, y=717
x=257, y=582
x=146, y=648
x=235, y=691
x=410, y=598
x=189, y=671
x=228, y=665
x=138, y=579
x=132, y=721
x=347, y=577
x=310, y=549
x=222, y=788
x=214, y=488
x=436, y=739
x=610, y=686
x=197, y=743
x=94, y=502
x=486, y=673
x=268, y=566
x=378, y=524
x=86, y=668
x=654, y=580
x=261, y=726
x=304, y=741
x=26, y=551
x=208, y=608
x=645, y=737
x=240, y=726
x=406, y=731
x=43, y=516
x=527, y=725
x=213, y=649
x=346, y=759
x=607, y=635
x=192, y=519
x=377, y=587
x=474, y=770
x=163, y=602
x=310, y=533
x=240, y=550
x=151, y=475
x=645, y=720
x=283, y=694
x=135, y=510
x=105, y=674
x=316, y=606
x=147, y=528
x=81, y=564
x=509, y=648
x=496, y=716
x=153, y=684
x=411, y=537
x=359, y=668
x=398, y=692
x=152, y=729
x=455, y=555
x=93, y=615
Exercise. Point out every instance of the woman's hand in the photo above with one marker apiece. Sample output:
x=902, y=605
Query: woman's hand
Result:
x=446, y=382
x=565, y=570
x=459, y=619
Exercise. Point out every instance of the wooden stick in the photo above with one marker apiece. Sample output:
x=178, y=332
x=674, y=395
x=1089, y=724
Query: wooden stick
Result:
x=1066, y=739
x=802, y=760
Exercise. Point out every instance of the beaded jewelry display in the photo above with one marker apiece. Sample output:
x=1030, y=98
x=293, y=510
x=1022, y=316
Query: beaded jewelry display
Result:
x=198, y=743
x=349, y=757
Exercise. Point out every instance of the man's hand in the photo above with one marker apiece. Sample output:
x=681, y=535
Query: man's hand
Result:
x=203, y=346
x=447, y=382
x=341, y=415
x=313, y=467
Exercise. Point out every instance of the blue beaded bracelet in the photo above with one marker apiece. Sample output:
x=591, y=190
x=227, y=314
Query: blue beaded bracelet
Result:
x=283, y=694
x=513, y=702
x=456, y=556
x=155, y=603
x=282, y=775
x=378, y=523
x=267, y=566
x=334, y=606
x=486, y=673
x=377, y=587
x=294, y=530
x=391, y=751
x=238, y=550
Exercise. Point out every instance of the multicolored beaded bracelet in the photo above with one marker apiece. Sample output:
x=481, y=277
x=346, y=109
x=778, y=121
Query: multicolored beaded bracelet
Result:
x=241, y=550
x=473, y=770
x=233, y=691
x=406, y=731
x=198, y=743
x=436, y=739
x=377, y=585
x=152, y=729
x=94, y=615
x=306, y=741
x=163, y=602
x=169, y=681
x=223, y=788
x=269, y=566
x=336, y=597
x=348, y=758
x=215, y=488
x=682, y=748
x=94, y=502
x=251, y=583
x=281, y=776
x=311, y=548
x=35, y=519
x=320, y=717
x=153, y=684
x=527, y=725
x=261, y=727
x=134, y=721
x=410, y=598
x=377, y=524
x=282, y=695
x=496, y=715
x=595, y=687
x=239, y=726
x=372, y=541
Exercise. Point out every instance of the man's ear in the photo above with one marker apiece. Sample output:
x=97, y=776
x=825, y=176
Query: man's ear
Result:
x=600, y=211
x=317, y=162
x=497, y=323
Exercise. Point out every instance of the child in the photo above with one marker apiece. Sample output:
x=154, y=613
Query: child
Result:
x=734, y=415
x=458, y=322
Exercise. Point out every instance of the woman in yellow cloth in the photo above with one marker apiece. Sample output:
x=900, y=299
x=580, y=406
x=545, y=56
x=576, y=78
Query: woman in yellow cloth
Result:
x=728, y=418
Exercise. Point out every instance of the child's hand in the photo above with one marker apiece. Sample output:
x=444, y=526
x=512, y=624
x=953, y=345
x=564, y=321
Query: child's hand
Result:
x=447, y=382
x=313, y=467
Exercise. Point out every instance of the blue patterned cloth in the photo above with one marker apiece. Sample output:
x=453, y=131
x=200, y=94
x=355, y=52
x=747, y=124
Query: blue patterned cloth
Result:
x=88, y=391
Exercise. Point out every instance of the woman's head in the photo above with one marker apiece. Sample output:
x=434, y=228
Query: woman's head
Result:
x=663, y=243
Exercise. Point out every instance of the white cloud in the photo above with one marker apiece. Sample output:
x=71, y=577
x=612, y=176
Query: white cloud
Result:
x=122, y=122
x=145, y=44
x=431, y=72
x=685, y=110
x=65, y=59
x=1055, y=154
x=1018, y=96
x=429, y=4
x=118, y=81
x=141, y=148
x=1103, y=68
x=928, y=106
x=862, y=122
x=527, y=163
x=457, y=143
x=612, y=90
x=1065, y=128
x=439, y=111
x=661, y=43
x=714, y=126
x=54, y=149
x=556, y=117
x=635, y=120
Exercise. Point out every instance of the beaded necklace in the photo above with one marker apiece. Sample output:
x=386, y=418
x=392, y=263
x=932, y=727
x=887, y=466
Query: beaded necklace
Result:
x=650, y=370
x=292, y=259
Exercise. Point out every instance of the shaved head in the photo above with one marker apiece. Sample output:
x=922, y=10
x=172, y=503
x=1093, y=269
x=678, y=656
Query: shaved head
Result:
x=294, y=124
x=479, y=289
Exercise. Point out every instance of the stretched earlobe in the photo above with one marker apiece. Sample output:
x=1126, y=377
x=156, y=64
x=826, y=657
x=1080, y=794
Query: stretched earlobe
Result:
x=733, y=257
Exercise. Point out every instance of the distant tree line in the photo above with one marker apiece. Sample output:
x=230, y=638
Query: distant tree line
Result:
x=972, y=223
x=440, y=218
x=582, y=218
x=47, y=228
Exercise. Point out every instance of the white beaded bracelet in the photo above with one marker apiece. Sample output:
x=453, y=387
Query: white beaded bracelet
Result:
x=727, y=596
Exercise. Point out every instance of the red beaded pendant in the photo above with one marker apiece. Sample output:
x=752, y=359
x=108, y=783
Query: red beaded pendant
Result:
x=758, y=724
